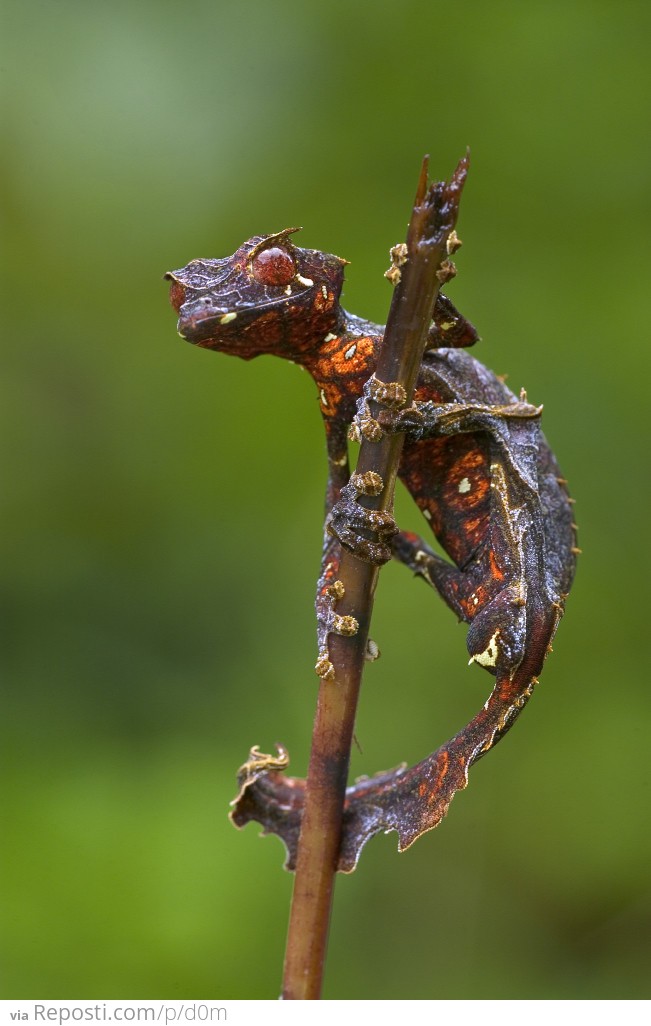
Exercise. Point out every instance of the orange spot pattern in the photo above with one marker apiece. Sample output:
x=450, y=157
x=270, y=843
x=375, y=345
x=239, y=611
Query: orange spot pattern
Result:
x=433, y=470
x=342, y=378
x=468, y=604
x=435, y=785
x=495, y=570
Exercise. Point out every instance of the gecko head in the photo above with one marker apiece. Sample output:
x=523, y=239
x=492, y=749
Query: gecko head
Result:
x=269, y=297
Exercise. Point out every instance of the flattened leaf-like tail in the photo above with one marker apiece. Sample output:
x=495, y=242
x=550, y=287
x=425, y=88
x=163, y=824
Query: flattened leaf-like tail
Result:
x=410, y=801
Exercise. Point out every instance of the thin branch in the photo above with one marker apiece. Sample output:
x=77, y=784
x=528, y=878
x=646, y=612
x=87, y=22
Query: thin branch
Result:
x=419, y=271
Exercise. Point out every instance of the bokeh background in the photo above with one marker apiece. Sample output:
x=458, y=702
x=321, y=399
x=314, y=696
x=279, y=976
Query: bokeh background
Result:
x=162, y=510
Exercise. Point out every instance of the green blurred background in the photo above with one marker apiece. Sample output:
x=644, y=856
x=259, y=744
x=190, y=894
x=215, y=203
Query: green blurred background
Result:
x=163, y=504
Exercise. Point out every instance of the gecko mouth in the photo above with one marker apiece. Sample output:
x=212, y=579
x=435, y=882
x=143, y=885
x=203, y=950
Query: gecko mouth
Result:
x=206, y=316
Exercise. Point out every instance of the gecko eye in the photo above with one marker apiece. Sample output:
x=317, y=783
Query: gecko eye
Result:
x=273, y=266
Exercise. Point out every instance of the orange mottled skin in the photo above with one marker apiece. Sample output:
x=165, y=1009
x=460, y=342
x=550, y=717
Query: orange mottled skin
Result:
x=474, y=460
x=272, y=297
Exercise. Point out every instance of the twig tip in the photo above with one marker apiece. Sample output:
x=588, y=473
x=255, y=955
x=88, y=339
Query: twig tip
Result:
x=422, y=181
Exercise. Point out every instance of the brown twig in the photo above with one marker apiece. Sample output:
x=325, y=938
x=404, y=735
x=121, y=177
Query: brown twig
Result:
x=418, y=274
